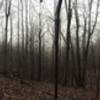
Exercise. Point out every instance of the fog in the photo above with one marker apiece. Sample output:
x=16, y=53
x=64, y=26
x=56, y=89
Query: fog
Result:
x=54, y=43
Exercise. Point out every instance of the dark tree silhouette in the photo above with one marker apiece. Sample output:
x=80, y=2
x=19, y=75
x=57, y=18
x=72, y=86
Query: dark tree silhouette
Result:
x=57, y=30
x=68, y=38
x=7, y=15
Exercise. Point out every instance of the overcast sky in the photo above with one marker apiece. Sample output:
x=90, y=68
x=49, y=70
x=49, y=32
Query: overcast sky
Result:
x=47, y=10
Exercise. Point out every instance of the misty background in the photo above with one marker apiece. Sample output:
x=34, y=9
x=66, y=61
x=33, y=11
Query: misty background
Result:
x=27, y=41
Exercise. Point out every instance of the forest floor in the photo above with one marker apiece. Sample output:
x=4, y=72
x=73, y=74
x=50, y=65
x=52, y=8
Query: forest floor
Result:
x=16, y=89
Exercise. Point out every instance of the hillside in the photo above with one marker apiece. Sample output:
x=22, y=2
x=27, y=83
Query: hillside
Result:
x=16, y=89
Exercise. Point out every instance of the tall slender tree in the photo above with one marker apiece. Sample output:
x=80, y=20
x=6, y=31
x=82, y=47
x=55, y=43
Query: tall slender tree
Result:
x=7, y=15
x=68, y=37
x=78, y=43
x=91, y=29
x=57, y=30
x=22, y=24
x=40, y=41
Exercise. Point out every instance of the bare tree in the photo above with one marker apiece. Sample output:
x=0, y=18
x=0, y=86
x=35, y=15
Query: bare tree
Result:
x=26, y=23
x=11, y=41
x=91, y=29
x=57, y=30
x=78, y=43
x=18, y=30
x=96, y=69
x=68, y=37
x=7, y=15
x=22, y=24
x=32, y=58
x=39, y=36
